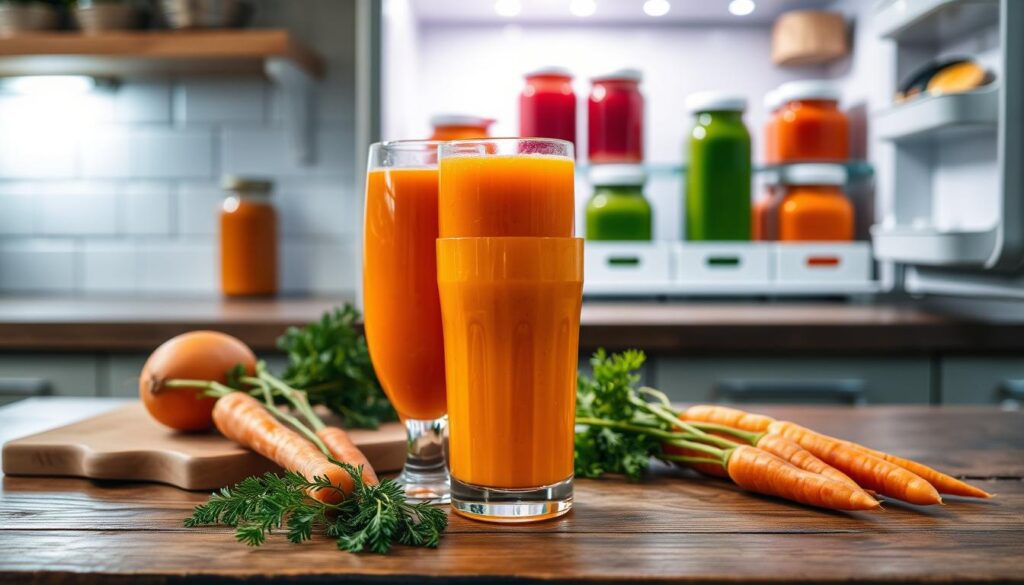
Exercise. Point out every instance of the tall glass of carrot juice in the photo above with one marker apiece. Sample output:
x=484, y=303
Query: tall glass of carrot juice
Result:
x=401, y=307
x=510, y=275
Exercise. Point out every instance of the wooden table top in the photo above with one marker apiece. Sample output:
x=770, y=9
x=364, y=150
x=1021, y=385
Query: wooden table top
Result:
x=141, y=324
x=673, y=527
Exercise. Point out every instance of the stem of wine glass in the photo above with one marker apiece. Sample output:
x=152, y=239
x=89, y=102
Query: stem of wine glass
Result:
x=425, y=447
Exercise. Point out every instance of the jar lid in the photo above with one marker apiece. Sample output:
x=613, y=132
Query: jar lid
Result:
x=810, y=89
x=715, y=101
x=460, y=120
x=247, y=184
x=617, y=176
x=627, y=74
x=813, y=174
x=553, y=71
x=771, y=101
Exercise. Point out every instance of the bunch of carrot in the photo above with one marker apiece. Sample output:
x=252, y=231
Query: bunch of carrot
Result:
x=268, y=430
x=842, y=461
x=756, y=452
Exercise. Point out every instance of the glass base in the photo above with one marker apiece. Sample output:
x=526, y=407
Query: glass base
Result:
x=511, y=505
x=431, y=487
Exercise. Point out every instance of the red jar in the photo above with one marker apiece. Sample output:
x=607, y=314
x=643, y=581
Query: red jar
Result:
x=547, y=106
x=615, y=114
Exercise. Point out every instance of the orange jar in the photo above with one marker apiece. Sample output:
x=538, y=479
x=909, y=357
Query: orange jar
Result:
x=814, y=208
x=459, y=127
x=771, y=107
x=808, y=126
x=248, y=239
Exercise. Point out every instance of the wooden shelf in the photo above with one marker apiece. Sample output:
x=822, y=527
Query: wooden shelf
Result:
x=155, y=53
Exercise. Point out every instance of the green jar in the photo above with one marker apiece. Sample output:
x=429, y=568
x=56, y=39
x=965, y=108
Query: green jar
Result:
x=618, y=210
x=718, y=173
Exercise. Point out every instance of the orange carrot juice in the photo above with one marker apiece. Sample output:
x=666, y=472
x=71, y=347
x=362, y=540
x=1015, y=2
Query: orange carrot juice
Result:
x=400, y=298
x=511, y=310
x=506, y=195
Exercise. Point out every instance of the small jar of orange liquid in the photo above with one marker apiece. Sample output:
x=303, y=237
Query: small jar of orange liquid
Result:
x=459, y=127
x=248, y=238
x=808, y=125
x=814, y=208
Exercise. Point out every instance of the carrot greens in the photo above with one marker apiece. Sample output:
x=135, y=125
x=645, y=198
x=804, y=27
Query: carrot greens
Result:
x=373, y=518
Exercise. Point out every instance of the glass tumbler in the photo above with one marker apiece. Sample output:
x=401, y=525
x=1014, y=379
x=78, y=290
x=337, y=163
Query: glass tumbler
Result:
x=510, y=276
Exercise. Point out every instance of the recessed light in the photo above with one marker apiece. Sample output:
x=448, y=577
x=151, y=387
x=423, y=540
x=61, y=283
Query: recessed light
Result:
x=656, y=8
x=48, y=84
x=741, y=7
x=582, y=8
x=508, y=8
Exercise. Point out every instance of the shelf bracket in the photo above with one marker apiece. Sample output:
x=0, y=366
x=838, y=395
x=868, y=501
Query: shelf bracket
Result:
x=297, y=89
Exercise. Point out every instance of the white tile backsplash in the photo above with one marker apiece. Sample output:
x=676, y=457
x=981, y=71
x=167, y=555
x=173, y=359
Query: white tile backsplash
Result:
x=117, y=191
x=265, y=151
x=229, y=100
x=37, y=265
x=28, y=152
x=326, y=267
x=78, y=214
x=177, y=267
x=147, y=153
x=146, y=209
x=17, y=214
x=110, y=267
x=198, y=208
x=143, y=102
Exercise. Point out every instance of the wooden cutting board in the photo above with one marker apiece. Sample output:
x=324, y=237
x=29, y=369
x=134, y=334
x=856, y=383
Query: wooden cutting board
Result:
x=127, y=444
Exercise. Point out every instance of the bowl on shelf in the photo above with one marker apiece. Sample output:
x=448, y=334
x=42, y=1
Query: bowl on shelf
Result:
x=97, y=16
x=17, y=18
x=204, y=14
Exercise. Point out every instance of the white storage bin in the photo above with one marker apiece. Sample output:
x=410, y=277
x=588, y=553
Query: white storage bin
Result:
x=809, y=264
x=699, y=265
x=632, y=268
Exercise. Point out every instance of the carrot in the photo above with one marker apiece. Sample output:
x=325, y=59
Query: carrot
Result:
x=698, y=460
x=245, y=420
x=868, y=471
x=760, y=471
x=945, y=484
x=343, y=449
x=795, y=454
x=730, y=417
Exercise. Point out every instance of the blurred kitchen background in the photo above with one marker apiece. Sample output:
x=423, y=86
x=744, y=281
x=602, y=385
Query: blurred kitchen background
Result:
x=117, y=132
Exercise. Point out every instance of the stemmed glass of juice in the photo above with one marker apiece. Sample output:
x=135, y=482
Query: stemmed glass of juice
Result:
x=510, y=275
x=402, y=311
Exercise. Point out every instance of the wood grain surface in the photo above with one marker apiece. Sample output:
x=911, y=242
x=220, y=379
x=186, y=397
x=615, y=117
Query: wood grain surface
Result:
x=127, y=444
x=140, y=325
x=673, y=527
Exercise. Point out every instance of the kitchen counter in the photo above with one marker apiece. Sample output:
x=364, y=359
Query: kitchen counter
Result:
x=139, y=325
x=673, y=527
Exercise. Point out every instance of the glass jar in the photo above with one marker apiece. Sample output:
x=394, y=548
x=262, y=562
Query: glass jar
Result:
x=771, y=106
x=459, y=127
x=764, y=223
x=719, y=169
x=813, y=207
x=248, y=238
x=618, y=210
x=615, y=118
x=808, y=126
x=547, y=105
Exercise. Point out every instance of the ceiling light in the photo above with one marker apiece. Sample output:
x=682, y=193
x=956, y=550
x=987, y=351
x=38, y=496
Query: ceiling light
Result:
x=656, y=7
x=48, y=84
x=741, y=7
x=582, y=8
x=508, y=8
